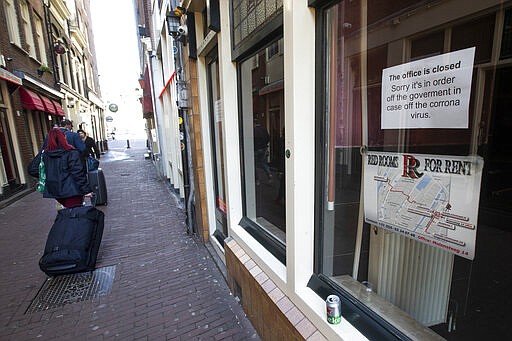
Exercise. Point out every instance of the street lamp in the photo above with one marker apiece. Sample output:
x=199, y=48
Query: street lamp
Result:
x=173, y=24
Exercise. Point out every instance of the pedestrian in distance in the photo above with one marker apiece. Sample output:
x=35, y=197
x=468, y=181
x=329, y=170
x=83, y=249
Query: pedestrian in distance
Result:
x=66, y=179
x=91, y=149
x=66, y=126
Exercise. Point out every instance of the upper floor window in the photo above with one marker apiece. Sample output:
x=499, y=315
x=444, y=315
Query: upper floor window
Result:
x=27, y=28
x=74, y=70
x=38, y=23
x=89, y=78
x=80, y=75
x=12, y=22
x=66, y=64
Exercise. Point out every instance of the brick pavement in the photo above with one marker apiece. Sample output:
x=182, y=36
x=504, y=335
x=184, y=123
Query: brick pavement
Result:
x=166, y=286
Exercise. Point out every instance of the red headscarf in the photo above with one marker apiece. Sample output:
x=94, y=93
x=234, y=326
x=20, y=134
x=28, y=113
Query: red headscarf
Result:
x=57, y=139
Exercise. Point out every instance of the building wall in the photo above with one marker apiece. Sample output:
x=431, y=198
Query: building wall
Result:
x=269, y=291
x=270, y=310
x=196, y=146
x=299, y=100
x=17, y=59
x=28, y=127
x=277, y=294
x=247, y=260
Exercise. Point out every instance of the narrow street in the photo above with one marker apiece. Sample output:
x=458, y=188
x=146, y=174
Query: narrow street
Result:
x=153, y=280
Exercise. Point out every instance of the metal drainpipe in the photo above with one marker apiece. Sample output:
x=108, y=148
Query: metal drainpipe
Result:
x=180, y=80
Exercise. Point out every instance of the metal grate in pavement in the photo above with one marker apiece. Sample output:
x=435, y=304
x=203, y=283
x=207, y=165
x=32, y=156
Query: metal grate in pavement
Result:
x=66, y=289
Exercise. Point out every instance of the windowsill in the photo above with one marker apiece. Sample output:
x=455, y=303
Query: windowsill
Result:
x=19, y=48
x=389, y=312
x=34, y=58
x=263, y=258
x=272, y=229
x=266, y=240
x=344, y=330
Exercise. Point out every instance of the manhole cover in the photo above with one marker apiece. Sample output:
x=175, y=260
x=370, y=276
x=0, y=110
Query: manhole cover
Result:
x=66, y=289
x=125, y=174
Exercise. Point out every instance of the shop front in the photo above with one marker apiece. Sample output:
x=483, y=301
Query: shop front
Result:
x=411, y=215
x=10, y=175
x=365, y=155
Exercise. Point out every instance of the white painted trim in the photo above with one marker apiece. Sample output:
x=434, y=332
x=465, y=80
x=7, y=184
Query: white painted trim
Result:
x=229, y=94
x=261, y=256
x=299, y=73
x=292, y=279
x=313, y=306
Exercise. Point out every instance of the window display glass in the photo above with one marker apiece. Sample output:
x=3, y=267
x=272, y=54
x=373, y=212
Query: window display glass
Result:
x=415, y=200
x=217, y=142
x=262, y=101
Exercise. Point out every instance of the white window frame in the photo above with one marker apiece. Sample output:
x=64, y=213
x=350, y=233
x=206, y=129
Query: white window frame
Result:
x=27, y=28
x=11, y=19
x=38, y=23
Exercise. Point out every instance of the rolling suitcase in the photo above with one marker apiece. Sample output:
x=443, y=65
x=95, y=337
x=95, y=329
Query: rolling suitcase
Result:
x=99, y=187
x=73, y=241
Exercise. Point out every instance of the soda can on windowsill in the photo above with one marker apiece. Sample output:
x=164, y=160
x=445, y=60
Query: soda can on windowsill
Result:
x=333, y=305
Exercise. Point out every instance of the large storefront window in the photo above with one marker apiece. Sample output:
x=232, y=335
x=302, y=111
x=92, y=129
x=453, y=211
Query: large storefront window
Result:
x=262, y=119
x=415, y=198
x=217, y=123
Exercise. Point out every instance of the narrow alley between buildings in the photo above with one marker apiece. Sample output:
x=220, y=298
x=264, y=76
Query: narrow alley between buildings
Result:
x=153, y=281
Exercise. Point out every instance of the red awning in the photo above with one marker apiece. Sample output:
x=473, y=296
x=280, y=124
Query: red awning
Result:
x=48, y=104
x=147, y=102
x=33, y=101
x=59, y=109
x=30, y=100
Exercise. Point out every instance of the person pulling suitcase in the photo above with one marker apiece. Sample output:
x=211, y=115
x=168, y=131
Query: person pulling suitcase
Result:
x=74, y=239
x=66, y=177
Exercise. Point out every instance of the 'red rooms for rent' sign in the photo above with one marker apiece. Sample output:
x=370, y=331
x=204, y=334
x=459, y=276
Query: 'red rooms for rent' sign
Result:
x=430, y=198
x=432, y=92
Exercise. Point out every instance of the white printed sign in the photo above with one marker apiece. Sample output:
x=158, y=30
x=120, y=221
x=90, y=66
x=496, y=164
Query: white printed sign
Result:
x=217, y=111
x=430, y=198
x=432, y=92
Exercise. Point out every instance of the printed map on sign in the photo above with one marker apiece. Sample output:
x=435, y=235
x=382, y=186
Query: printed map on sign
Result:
x=428, y=202
x=419, y=206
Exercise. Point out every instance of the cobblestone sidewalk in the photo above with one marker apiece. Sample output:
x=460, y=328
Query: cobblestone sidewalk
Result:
x=166, y=285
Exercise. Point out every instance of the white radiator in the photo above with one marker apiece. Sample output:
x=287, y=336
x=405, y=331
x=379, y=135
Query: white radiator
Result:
x=414, y=277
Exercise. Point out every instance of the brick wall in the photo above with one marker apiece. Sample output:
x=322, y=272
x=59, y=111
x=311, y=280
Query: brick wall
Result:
x=20, y=59
x=270, y=311
x=17, y=58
